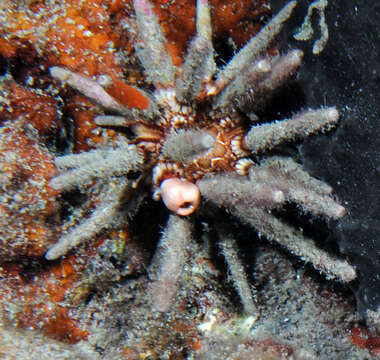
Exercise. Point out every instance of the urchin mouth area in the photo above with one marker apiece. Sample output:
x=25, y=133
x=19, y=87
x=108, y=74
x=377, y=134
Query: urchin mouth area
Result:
x=186, y=208
x=182, y=197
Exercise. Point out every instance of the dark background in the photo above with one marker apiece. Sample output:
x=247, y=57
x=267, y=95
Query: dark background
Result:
x=347, y=74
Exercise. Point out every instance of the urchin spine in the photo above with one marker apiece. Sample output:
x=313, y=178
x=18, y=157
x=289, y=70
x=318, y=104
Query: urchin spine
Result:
x=243, y=83
x=229, y=249
x=255, y=47
x=312, y=198
x=95, y=91
x=105, y=216
x=185, y=145
x=96, y=164
x=152, y=51
x=244, y=201
x=258, y=93
x=92, y=89
x=294, y=172
x=199, y=65
x=169, y=261
x=265, y=137
x=277, y=231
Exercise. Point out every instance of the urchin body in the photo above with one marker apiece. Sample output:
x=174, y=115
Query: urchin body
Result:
x=199, y=136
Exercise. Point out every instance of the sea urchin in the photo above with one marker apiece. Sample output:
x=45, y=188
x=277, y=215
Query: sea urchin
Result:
x=200, y=135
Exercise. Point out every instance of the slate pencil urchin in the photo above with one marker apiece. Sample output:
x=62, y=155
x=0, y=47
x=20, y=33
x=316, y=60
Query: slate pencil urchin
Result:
x=199, y=137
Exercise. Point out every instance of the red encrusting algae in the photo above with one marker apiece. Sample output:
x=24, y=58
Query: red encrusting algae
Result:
x=364, y=339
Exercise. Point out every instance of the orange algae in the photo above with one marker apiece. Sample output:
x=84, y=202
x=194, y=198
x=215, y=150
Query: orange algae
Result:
x=240, y=20
x=7, y=49
x=128, y=95
x=40, y=301
x=27, y=227
x=75, y=34
x=38, y=110
x=83, y=39
x=32, y=296
x=33, y=293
